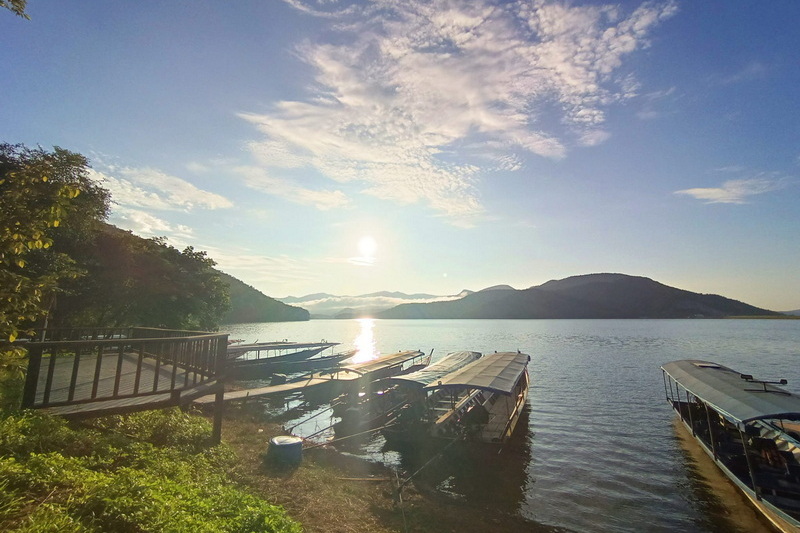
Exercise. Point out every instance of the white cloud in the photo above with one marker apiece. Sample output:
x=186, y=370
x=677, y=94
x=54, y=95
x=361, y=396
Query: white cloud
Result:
x=418, y=83
x=147, y=225
x=263, y=272
x=259, y=179
x=152, y=189
x=734, y=191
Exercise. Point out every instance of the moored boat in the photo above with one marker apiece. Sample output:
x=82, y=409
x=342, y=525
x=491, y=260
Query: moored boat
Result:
x=288, y=350
x=749, y=427
x=480, y=402
x=375, y=405
x=261, y=360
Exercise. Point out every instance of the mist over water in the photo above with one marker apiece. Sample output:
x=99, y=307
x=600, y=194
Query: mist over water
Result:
x=600, y=451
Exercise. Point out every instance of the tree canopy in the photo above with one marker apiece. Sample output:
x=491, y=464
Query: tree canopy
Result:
x=45, y=198
x=62, y=265
x=16, y=6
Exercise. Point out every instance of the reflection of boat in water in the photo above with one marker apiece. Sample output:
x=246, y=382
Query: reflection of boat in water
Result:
x=260, y=360
x=475, y=475
x=750, y=428
x=480, y=402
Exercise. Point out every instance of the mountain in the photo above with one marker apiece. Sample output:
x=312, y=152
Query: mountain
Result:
x=588, y=296
x=250, y=305
x=324, y=305
x=796, y=312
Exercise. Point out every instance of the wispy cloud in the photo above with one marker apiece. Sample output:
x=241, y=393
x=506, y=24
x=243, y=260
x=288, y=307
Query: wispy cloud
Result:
x=266, y=273
x=148, y=225
x=416, y=83
x=258, y=178
x=751, y=71
x=736, y=191
x=152, y=189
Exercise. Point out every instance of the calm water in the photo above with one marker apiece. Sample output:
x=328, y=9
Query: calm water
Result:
x=600, y=451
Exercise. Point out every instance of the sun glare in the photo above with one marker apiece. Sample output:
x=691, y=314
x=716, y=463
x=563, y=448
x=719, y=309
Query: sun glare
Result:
x=367, y=246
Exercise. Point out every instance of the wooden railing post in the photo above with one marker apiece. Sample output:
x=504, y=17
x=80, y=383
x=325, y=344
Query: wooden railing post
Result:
x=220, y=350
x=32, y=377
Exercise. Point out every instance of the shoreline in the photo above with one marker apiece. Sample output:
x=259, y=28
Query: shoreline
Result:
x=332, y=492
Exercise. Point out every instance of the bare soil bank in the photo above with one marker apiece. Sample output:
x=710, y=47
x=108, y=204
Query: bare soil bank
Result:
x=334, y=493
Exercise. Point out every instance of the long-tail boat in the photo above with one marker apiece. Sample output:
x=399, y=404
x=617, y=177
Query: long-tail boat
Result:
x=749, y=427
x=479, y=403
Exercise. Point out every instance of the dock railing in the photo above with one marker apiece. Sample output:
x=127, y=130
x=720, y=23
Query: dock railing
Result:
x=90, y=371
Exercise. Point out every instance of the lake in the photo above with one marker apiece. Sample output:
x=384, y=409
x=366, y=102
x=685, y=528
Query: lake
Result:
x=600, y=450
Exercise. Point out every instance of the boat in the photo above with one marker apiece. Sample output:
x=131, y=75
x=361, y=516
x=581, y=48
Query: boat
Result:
x=327, y=384
x=271, y=366
x=750, y=428
x=288, y=350
x=481, y=402
x=261, y=360
x=382, y=402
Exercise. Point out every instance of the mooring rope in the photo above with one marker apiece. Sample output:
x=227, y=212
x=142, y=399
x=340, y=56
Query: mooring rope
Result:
x=334, y=441
x=427, y=463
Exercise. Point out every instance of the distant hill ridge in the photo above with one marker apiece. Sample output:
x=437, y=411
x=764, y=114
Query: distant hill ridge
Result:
x=251, y=305
x=586, y=296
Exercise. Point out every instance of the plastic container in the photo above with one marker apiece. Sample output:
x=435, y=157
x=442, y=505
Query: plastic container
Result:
x=285, y=450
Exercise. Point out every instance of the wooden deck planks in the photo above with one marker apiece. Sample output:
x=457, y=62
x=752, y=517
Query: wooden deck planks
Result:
x=64, y=372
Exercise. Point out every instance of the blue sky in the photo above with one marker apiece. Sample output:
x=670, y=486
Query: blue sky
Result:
x=353, y=147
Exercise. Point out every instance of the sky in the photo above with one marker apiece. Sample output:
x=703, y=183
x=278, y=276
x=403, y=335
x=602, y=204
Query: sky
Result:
x=432, y=146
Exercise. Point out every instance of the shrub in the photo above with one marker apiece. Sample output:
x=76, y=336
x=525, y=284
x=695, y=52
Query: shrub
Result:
x=156, y=477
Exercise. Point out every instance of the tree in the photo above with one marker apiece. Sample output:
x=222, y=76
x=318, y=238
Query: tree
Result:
x=143, y=282
x=40, y=199
x=16, y=6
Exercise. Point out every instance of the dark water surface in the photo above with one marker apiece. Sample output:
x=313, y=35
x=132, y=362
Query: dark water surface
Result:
x=600, y=450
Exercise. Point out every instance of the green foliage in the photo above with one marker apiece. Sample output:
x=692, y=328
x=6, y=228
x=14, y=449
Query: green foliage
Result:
x=16, y=6
x=115, y=478
x=45, y=198
x=59, y=260
x=143, y=282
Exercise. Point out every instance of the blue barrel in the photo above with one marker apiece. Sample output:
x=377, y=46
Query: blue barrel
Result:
x=285, y=450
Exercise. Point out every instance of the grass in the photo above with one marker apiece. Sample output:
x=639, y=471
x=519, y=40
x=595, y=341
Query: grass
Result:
x=149, y=472
x=155, y=471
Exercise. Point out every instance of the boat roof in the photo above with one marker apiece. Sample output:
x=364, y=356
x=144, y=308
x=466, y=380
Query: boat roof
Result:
x=435, y=371
x=736, y=396
x=384, y=361
x=496, y=372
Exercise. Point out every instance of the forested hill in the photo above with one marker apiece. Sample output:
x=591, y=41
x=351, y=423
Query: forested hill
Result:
x=588, y=296
x=145, y=282
x=250, y=305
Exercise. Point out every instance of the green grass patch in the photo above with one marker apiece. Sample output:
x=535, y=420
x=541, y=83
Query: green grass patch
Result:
x=151, y=471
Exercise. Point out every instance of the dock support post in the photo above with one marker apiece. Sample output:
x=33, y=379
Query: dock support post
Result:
x=219, y=406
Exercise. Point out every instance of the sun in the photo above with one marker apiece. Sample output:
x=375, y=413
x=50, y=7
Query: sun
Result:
x=367, y=247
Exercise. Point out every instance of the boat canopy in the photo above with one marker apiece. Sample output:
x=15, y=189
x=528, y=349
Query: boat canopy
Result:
x=436, y=371
x=380, y=363
x=735, y=396
x=496, y=372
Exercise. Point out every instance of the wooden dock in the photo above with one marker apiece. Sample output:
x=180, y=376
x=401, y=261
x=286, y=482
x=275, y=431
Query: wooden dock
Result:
x=92, y=372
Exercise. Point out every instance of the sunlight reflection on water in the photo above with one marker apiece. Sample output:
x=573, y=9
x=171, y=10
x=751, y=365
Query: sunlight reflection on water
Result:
x=365, y=341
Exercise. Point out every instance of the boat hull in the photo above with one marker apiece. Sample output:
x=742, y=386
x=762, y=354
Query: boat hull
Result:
x=773, y=515
x=246, y=369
